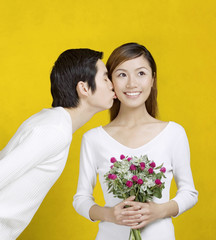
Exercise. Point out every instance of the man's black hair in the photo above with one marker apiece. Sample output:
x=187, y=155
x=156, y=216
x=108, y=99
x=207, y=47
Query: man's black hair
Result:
x=72, y=66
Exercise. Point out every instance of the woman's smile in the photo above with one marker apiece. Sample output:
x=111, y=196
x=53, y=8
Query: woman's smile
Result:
x=134, y=94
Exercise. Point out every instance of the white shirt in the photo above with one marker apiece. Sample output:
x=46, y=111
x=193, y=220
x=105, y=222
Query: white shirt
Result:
x=30, y=164
x=170, y=147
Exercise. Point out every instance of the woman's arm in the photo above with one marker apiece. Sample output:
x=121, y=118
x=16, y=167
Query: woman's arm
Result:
x=83, y=199
x=186, y=196
x=84, y=202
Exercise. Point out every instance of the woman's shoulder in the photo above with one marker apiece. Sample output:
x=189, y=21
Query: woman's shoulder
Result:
x=93, y=133
x=176, y=126
x=176, y=129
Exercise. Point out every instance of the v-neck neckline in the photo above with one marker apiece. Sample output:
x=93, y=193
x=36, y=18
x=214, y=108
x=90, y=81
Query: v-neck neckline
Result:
x=150, y=142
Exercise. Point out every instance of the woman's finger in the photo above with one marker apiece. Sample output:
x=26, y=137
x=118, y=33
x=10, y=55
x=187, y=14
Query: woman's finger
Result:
x=131, y=224
x=126, y=202
x=140, y=225
x=132, y=212
x=131, y=198
x=132, y=208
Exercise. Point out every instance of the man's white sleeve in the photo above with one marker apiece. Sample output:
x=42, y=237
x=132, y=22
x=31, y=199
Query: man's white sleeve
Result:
x=38, y=145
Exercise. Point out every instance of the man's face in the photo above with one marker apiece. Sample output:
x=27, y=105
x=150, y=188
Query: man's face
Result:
x=103, y=96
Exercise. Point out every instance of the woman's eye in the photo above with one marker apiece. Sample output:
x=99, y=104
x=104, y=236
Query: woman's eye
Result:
x=141, y=73
x=122, y=75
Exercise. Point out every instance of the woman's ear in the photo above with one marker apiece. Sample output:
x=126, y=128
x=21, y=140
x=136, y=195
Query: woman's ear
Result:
x=82, y=89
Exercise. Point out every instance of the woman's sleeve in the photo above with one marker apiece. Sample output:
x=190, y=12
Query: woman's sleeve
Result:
x=187, y=195
x=83, y=199
x=38, y=145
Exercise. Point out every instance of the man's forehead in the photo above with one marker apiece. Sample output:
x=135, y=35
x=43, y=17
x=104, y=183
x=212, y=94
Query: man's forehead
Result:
x=101, y=66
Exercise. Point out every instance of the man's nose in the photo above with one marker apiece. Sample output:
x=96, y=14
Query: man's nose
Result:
x=110, y=85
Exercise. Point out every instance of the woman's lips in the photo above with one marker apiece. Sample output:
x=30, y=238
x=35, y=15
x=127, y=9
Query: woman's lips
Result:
x=132, y=94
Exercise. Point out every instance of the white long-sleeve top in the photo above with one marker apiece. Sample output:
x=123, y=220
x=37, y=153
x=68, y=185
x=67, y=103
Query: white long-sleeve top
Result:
x=169, y=147
x=30, y=164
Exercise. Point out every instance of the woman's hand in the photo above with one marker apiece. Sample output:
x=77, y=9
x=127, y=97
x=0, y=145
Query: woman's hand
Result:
x=134, y=214
x=124, y=213
x=151, y=211
x=117, y=214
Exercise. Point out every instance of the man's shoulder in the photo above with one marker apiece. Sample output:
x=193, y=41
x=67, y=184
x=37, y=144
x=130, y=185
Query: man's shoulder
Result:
x=49, y=117
x=52, y=119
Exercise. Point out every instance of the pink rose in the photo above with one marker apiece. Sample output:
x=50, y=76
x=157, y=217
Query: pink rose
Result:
x=129, y=184
x=150, y=170
x=113, y=160
x=140, y=181
x=122, y=157
x=132, y=167
x=111, y=166
x=114, y=176
x=110, y=176
x=152, y=164
x=129, y=159
x=135, y=178
x=163, y=169
x=142, y=165
x=158, y=182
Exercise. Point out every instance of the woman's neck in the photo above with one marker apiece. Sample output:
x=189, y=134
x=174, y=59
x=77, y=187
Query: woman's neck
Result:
x=133, y=116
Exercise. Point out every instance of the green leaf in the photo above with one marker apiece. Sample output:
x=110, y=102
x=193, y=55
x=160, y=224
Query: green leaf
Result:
x=163, y=175
x=159, y=175
x=149, y=191
x=132, y=192
x=119, y=196
x=159, y=167
x=157, y=193
x=144, y=198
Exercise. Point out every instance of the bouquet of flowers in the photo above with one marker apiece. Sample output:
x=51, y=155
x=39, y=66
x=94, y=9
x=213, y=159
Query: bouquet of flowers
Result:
x=135, y=176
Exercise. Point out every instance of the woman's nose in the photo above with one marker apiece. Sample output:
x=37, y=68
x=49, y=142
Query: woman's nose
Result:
x=131, y=83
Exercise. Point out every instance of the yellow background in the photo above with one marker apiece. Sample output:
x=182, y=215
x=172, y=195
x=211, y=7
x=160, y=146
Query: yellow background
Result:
x=181, y=36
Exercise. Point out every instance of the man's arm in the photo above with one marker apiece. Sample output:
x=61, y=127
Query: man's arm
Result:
x=39, y=144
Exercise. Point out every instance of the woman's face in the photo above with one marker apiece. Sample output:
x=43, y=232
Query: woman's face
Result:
x=132, y=81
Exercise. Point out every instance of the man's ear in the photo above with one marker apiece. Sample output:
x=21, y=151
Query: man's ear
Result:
x=82, y=89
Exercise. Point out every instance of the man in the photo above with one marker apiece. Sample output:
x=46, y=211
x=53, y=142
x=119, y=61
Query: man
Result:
x=36, y=155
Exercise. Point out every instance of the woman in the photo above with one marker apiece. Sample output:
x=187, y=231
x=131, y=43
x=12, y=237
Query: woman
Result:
x=134, y=131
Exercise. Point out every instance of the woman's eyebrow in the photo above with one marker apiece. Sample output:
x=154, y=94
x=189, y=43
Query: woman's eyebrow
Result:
x=121, y=69
x=141, y=68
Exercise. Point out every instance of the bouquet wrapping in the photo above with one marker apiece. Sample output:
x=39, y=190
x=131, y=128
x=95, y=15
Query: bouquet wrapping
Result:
x=135, y=176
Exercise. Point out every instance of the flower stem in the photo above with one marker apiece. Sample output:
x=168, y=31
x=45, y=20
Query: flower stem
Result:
x=135, y=234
